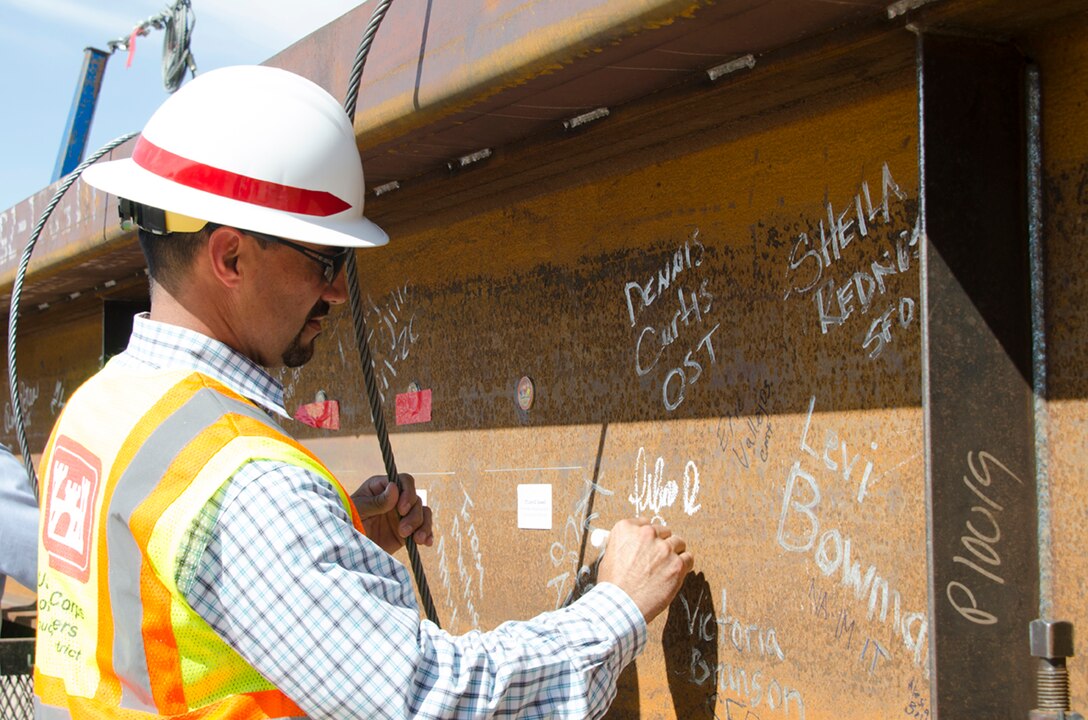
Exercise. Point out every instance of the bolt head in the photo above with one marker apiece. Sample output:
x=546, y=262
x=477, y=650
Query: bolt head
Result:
x=1051, y=638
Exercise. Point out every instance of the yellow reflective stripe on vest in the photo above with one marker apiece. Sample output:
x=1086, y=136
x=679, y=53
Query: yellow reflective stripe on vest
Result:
x=256, y=706
x=202, y=664
x=142, y=479
x=167, y=538
x=191, y=666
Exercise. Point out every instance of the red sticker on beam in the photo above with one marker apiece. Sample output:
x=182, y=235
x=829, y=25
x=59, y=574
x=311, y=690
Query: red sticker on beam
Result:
x=323, y=415
x=414, y=407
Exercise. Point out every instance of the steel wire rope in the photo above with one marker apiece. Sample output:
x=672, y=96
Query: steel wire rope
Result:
x=16, y=296
x=178, y=22
x=354, y=299
x=176, y=55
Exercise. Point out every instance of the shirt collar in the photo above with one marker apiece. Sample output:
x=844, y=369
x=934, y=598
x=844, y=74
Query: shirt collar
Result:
x=163, y=346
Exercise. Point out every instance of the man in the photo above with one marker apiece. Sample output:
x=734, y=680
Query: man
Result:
x=19, y=527
x=199, y=559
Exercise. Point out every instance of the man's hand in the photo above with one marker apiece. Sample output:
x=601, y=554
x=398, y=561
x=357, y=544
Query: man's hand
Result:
x=647, y=562
x=390, y=516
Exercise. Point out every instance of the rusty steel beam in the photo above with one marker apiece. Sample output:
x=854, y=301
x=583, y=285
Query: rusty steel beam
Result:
x=804, y=607
x=436, y=90
x=977, y=375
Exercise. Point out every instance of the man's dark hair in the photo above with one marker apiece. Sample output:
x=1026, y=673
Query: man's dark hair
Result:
x=169, y=256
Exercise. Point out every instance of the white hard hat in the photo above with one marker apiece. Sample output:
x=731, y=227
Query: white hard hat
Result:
x=253, y=147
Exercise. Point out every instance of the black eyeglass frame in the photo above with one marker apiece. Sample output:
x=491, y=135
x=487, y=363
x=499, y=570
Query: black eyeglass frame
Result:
x=331, y=265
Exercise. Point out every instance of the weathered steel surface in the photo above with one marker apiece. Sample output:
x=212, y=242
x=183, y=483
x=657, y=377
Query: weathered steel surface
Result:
x=1061, y=51
x=437, y=88
x=980, y=457
x=80, y=248
x=55, y=357
x=790, y=458
x=716, y=291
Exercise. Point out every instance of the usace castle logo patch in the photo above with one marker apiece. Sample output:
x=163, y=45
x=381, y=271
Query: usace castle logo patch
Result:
x=74, y=477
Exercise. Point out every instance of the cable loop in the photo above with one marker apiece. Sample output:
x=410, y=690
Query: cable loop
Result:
x=176, y=55
x=178, y=21
x=16, y=296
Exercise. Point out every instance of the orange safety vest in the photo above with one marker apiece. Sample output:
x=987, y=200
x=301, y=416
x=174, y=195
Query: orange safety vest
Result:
x=120, y=490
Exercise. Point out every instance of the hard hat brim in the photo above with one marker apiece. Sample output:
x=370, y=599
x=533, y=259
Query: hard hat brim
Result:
x=124, y=178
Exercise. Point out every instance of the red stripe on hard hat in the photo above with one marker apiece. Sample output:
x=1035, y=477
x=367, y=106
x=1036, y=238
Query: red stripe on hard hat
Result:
x=225, y=183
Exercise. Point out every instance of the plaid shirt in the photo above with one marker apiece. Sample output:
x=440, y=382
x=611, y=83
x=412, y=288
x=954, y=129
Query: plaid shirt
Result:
x=274, y=565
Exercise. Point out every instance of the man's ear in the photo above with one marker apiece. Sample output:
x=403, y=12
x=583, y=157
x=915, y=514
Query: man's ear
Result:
x=222, y=252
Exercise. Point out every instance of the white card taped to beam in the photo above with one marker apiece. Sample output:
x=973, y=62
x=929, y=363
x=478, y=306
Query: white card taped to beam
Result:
x=535, y=507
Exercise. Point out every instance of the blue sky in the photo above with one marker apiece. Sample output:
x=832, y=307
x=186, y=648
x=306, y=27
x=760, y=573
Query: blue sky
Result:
x=41, y=54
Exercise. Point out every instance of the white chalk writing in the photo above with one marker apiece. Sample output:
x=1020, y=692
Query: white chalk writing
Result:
x=466, y=587
x=654, y=339
x=799, y=531
x=981, y=546
x=58, y=401
x=812, y=261
x=652, y=492
x=395, y=321
x=832, y=460
x=756, y=643
x=565, y=553
x=28, y=395
x=443, y=564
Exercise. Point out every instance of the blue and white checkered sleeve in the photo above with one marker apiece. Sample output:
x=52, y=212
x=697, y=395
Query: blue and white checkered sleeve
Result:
x=331, y=619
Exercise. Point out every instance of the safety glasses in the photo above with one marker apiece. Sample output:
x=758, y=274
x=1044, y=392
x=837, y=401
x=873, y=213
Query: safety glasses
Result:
x=330, y=264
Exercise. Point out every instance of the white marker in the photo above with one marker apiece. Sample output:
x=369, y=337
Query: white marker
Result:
x=598, y=538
